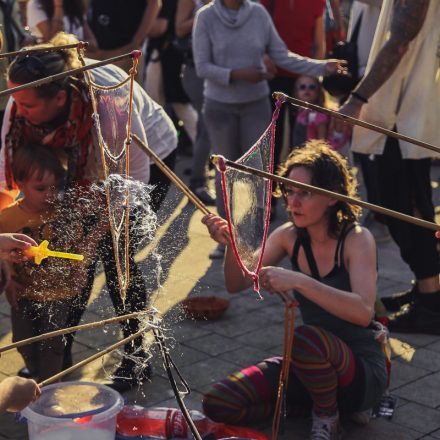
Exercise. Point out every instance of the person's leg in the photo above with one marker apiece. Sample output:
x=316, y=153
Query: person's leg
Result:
x=327, y=368
x=78, y=306
x=285, y=85
x=405, y=186
x=254, y=120
x=244, y=396
x=222, y=121
x=322, y=367
x=134, y=366
x=23, y=327
x=52, y=316
x=324, y=364
x=154, y=83
x=188, y=115
x=135, y=298
x=193, y=86
x=160, y=182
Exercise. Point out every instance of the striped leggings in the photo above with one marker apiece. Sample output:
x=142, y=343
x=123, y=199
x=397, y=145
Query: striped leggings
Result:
x=325, y=376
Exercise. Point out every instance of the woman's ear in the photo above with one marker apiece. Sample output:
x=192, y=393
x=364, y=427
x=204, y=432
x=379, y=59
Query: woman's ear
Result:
x=61, y=98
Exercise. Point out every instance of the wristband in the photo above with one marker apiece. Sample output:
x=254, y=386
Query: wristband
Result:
x=359, y=97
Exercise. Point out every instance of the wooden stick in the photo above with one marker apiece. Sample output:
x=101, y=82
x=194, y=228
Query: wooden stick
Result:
x=355, y=121
x=32, y=50
x=95, y=356
x=62, y=75
x=64, y=331
x=172, y=176
x=404, y=217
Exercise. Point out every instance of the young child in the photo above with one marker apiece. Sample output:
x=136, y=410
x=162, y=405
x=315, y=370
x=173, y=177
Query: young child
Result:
x=311, y=124
x=42, y=296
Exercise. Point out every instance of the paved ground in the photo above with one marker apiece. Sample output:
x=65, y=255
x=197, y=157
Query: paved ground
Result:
x=207, y=351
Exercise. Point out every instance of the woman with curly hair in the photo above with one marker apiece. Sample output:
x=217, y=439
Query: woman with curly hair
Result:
x=337, y=364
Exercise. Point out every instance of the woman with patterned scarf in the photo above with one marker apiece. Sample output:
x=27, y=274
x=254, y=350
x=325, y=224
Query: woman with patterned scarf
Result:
x=59, y=114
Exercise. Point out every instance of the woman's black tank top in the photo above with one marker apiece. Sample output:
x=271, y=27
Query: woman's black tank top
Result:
x=360, y=339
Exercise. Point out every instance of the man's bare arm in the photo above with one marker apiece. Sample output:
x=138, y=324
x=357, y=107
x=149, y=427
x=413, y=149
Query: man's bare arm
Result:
x=150, y=14
x=407, y=20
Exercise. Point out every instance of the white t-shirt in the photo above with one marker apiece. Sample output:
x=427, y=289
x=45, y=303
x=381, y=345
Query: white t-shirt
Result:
x=36, y=15
x=370, y=17
x=410, y=98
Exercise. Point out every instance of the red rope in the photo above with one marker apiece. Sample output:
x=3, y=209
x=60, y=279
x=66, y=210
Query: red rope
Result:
x=289, y=333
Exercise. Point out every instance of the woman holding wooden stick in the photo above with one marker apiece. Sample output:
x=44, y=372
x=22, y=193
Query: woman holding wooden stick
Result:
x=337, y=363
x=59, y=115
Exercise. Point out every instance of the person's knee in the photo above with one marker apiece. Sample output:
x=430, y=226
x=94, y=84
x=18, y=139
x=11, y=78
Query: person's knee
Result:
x=307, y=344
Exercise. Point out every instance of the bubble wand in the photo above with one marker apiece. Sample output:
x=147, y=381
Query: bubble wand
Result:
x=42, y=251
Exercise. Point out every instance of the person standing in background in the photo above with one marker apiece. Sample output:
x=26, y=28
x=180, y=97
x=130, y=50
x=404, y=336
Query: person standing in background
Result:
x=366, y=13
x=164, y=64
x=300, y=24
x=334, y=24
x=230, y=39
x=402, y=75
x=120, y=26
x=193, y=86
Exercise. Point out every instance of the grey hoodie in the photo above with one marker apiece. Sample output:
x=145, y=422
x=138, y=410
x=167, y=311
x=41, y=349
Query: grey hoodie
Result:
x=224, y=40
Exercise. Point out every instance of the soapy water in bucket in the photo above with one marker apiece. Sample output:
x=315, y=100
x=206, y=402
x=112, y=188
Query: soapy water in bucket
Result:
x=74, y=410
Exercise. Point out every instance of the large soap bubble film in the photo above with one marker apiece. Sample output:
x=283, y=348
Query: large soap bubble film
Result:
x=111, y=124
x=112, y=110
x=247, y=201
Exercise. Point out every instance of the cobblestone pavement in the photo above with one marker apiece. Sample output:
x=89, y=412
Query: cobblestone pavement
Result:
x=205, y=351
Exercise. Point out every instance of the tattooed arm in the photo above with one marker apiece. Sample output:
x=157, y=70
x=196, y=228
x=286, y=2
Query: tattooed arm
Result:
x=407, y=19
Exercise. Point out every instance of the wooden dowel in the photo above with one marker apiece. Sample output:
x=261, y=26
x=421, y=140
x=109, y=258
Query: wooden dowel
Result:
x=71, y=72
x=95, y=356
x=395, y=214
x=355, y=121
x=32, y=50
x=172, y=176
x=64, y=331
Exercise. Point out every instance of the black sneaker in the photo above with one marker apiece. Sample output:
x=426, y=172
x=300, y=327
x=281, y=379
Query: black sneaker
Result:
x=416, y=319
x=130, y=374
x=395, y=302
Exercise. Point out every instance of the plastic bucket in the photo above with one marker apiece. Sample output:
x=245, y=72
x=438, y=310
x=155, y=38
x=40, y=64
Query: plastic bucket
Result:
x=74, y=411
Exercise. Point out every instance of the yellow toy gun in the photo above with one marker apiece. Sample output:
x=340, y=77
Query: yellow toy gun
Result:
x=42, y=251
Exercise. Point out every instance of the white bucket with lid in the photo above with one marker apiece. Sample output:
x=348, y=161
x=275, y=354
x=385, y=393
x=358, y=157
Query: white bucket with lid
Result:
x=74, y=411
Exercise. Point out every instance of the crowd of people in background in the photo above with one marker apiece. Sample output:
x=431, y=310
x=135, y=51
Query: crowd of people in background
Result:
x=208, y=71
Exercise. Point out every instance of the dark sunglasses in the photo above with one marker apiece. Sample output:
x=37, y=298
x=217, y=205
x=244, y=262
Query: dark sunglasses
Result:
x=307, y=86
